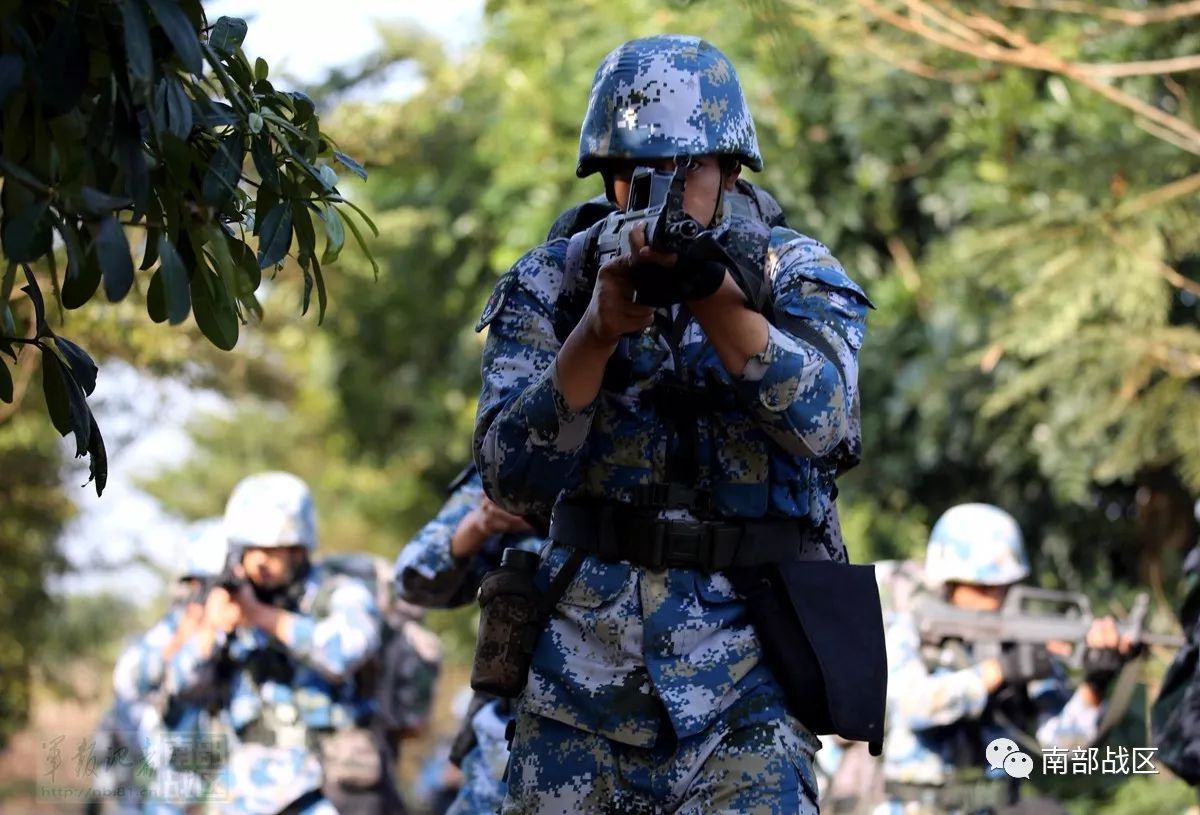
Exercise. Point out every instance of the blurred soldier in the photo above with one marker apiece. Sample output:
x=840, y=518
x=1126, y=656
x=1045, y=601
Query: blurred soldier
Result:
x=673, y=443
x=296, y=641
x=441, y=568
x=159, y=720
x=943, y=713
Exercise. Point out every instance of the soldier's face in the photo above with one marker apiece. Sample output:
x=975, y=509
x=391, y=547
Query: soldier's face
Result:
x=977, y=598
x=272, y=567
x=701, y=188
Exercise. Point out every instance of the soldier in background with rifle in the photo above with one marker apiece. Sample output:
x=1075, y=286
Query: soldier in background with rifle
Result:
x=969, y=662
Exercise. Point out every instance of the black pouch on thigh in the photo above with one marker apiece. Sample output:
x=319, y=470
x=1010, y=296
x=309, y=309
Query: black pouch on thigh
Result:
x=821, y=628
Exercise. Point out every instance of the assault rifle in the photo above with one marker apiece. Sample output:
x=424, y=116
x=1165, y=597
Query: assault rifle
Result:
x=655, y=201
x=1030, y=616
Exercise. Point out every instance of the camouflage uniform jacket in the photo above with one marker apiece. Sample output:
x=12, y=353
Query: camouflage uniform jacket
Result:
x=628, y=646
x=427, y=574
x=324, y=652
x=931, y=701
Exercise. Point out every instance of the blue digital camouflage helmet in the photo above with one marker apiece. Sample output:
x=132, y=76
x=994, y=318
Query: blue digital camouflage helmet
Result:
x=660, y=97
x=976, y=543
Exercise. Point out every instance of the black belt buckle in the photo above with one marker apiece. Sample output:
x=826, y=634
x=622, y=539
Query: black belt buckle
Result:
x=684, y=545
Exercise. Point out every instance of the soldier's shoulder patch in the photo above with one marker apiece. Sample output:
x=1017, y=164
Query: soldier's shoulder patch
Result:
x=540, y=271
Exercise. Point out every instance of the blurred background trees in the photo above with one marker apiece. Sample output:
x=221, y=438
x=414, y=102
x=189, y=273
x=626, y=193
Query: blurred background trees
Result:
x=1014, y=182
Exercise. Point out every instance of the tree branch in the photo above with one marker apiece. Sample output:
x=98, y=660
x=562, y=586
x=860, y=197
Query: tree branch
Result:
x=1130, y=17
x=1150, y=67
x=24, y=373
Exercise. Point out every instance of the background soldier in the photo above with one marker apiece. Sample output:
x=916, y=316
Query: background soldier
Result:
x=441, y=568
x=297, y=640
x=648, y=691
x=943, y=707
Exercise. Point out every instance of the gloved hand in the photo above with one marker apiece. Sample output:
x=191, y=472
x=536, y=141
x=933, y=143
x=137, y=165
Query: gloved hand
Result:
x=1024, y=663
x=1100, y=665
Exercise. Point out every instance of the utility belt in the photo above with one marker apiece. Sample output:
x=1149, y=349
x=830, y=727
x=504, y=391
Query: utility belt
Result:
x=819, y=621
x=617, y=533
x=967, y=797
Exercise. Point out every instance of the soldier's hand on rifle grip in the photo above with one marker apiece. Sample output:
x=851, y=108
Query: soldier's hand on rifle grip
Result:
x=221, y=613
x=612, y=313
x=1107, y=651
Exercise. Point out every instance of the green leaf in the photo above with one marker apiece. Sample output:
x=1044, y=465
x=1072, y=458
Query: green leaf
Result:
x=329, y=177
x=363, y=245
x=213, y=310
x=268, y=198
x=6, y=384
x=116, y=263
x=275, y=235
x=150, y=251
x=304, y=107
x=177, y=293
x=228, y=35
x=34, y=291
x=306, y=235
x=225, y=170
x=264, y=160
x=65, y=401
x=12, y=74
x=260, y=68
x=98, y=203
x=138, y=51
x=75, y=258
x=27, y=236
x=335, y=235
x=350, y=164
x=255, y=122
x=97, y=457
x=173, y=108
x=322, y=300
x=308, y=287
x=8, y=326
x=180, y=32
x=366, y=218
x=250, y=276
x=81, y=286
x=156, y=298
x=83, y=367
x=54, y=389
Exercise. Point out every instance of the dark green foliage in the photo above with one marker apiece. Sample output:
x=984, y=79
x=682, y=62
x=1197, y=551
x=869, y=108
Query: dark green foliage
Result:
x=135, y=114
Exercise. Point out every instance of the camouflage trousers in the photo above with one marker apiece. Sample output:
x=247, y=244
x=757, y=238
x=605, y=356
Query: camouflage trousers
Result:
x=761, y=768
x=483, y=786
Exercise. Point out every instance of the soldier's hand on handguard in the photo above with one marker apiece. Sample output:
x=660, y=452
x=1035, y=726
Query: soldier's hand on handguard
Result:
x=1107, y=651
x=612, y=313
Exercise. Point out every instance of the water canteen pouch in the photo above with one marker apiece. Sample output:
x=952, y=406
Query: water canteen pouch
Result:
x=512, y=613
x=820, y=623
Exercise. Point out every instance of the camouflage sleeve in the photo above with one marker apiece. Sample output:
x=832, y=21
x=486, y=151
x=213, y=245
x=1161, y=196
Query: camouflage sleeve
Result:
x=426, y=572
x=418, y=663
x=342, y=640
x=917, y=699
x=141, y=668
x=188, y=669
x=527, y=439
x=801, y=388
x=1067, y=724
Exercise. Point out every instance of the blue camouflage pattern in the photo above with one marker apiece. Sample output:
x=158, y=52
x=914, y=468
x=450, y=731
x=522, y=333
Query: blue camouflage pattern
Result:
x=630, y=654
x=163, y=718
x=756, y=761
x=929, y=693
x=661, y=96
x=326, y=652
x=429, y=575
x=976, y=543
